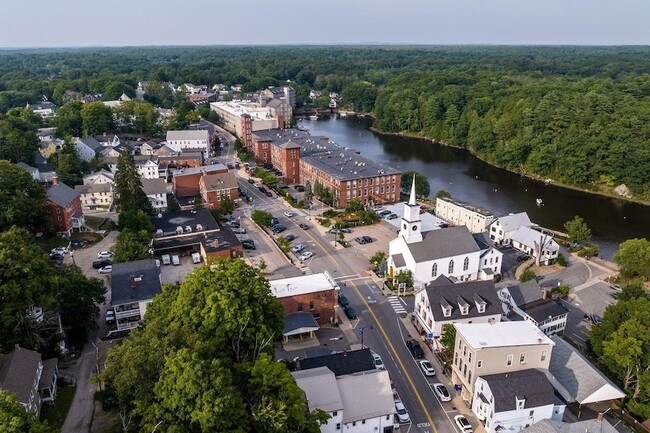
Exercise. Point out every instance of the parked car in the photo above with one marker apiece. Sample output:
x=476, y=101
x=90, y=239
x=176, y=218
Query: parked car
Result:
x=363, y=239
x=106, y=269
x=299, y=188
x=391, y=216
x=104, y=255
x=234, y=224
x=166, y=260
x=594, y=318
x=379, y=364
x=303, y=226
x=239, y=230
x=101, y=263
x=251, y=181
x=176, y=260
x=77, y=244
x=427, y=368
x=288, y=213
x=57, y=257
x=343, y=301
x=402, y=413
x=279, y=228
x=62, y=251
x=306, y=255
x=346, y=230
x=196, y=258
x=441, y=392
x=523, y=258
x=463, y=424
x=335, y=230
x=415, y=348
x=274, y=221
x=289, y=237
x=384, y=213
x=298, y=248
x=110, y=317
x=248, y=244
x=349, y=312
x=268, y=194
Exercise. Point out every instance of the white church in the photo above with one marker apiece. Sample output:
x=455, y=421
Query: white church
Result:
x=453, y=251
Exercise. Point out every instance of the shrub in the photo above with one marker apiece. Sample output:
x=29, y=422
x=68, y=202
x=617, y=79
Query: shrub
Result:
x=561, y=260
x=527, y=275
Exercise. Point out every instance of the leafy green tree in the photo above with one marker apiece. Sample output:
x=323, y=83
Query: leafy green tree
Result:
x=361, y=95
x=68, y=120
x=527, y=275
x=132, y=246
x=197, y=203
x=404, y=276
x=135, y=220
x=441, y=193
x=140, y=117
x=261, y=218
x=14, y=418
x=203, y=359
x=632, y=291
x=354, y=205
x=422, y=186
x=128, y=186
x=172, y=203
x=382, y=269
x=22, y=200
x=26, y=280
x=97, y=118
x=633, y=258
x=376, y=258
x=308, y=197
x=18, y=141
x=78, y=300
x=67, y=164
x=577, y=230
x=448, y=337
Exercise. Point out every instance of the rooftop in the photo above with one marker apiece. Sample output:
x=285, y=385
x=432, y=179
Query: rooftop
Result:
x=513, y=221
x=18, y=371
x=301, y=285
x=469, y=207
x=341, y=363
x=447, y=242
x=501, y=334
x=194, y=134
x=524, y=293
x=170, y=221
x=134, y=281
x=213, y=241
x=62, y=194
x=219, y=181
x=238, y=108
x=529, y=236
x=299, y=323
x=321, y=389
x=530, y=384
x=588, y=426
x=543, y=309
x=443, y=292
x=92, y=143
x=212, y=168
x=154, y=186
x=366, y=395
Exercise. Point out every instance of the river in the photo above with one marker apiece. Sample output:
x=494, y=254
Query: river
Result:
x=471, y=180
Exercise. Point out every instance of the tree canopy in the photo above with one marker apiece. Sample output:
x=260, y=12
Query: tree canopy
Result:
x=633, y=257
x=128, y=186
x=577, y=230
x=422, y=186
x=14, y=418
x=203, y=361
x=22, y=200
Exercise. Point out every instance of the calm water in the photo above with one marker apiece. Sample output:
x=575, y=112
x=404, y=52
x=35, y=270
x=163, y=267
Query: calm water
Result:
x=471, y=180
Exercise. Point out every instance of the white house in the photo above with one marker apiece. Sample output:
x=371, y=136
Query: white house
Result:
x=503, y=228
x=442, y=303
x=133, y=287
x=539, y=245
x=45, y=109
x=97, y=195
x=147, y=166
x=452, y=251
x=462, y=214
x=101, y=176
x=190, y=139
x=529, y=302
x=156, y=191
x=87, y=148
x=514, y=401
x=358, y=403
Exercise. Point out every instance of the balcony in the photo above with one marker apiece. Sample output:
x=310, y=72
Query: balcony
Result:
x=123, y=314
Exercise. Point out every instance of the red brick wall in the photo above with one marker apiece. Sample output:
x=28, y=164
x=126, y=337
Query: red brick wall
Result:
x=212, y=197
x=65, y=214
x=187, y=185
x=323, y=303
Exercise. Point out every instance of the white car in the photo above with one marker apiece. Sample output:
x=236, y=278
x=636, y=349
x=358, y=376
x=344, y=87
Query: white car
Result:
x=176, y=260
x=239, y=230
x=297, y=248
x=104, y=255
x=379, y=364
x=288, y=213
x=463, y=424
x=110, y=317
x=106, y=269
x=427, y=368
x=166, y=259
x=441, y=392
x=402, y=413
x=306, y=255
x=59, y=250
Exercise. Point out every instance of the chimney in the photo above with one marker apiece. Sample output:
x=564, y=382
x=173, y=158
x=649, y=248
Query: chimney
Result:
x=600, y=416
x=132, y=280
x=55, y=180
x=544, y=293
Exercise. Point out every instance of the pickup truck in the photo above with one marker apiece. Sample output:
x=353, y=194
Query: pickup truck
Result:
x=415, y=348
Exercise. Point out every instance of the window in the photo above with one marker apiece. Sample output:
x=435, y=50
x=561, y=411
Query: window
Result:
x=299, y=306
x=469, y=358
x=335, y=413
x=469, y=376
x=479, y=363
x=465, y=351
x=466, y=264
x=509, y=360
x=451, y=267
x=354, y=423
x=532, y=413
x=311, y=305
x=446, y=311
x=338, y=426
x=434, y=270
x=543, y=355
x=522, y=358
x=363, y=421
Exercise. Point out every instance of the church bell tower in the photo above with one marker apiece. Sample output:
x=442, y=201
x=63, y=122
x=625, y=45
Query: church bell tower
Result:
x=411, y=224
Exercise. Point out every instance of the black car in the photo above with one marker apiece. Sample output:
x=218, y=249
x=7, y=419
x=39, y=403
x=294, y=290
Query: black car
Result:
x=230, y=166
x=349, y=312
x=289, y=237
x=303, y=226
x=343, y=301
x=101, y=263
x=415, y=348
x=262, y=190
x=392, y=216
x=268, y=193
x=248, y=244
x=251, y=181
x=278, y=228
x=523, y=258
x=384, y=213
x=299, y=188
x=56, y=257
x=363, y=239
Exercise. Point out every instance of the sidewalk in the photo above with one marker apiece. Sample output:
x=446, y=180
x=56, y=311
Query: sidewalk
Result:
x=346, y=327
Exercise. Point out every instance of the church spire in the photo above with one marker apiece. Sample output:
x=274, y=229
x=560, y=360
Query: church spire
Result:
x=412, y=198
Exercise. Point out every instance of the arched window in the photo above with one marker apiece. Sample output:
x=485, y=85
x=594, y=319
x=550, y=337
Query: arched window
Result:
x=434, y=270
x=466, y=264
x=451, y=266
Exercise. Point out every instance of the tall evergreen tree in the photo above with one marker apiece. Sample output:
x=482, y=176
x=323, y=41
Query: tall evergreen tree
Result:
x=128, y=186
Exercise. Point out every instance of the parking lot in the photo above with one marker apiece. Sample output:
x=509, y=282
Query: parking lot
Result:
x=170, y=274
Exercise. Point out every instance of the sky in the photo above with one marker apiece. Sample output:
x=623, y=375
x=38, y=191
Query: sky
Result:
x=72, y=23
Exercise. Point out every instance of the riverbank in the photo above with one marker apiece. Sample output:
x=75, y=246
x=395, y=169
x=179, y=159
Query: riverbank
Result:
x=528, y=176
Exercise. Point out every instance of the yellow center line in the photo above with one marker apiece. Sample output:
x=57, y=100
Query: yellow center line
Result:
x=383, y=332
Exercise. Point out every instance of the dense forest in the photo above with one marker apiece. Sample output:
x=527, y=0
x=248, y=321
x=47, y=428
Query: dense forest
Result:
x=575, y=115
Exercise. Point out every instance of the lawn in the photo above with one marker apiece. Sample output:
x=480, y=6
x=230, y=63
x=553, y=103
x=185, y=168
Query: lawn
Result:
x=89, y=237
x=94, y=221
x=55, y=415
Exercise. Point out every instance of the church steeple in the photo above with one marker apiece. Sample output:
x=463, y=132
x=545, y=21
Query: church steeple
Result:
x=411, y=224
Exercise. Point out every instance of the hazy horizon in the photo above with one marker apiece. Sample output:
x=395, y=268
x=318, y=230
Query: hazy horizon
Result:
x=145, y=23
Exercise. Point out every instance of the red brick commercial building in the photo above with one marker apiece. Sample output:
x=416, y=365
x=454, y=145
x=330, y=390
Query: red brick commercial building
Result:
x=316, y=294
x=64, y=207
x=185, y=183
x=215, y=186
x=301, y=157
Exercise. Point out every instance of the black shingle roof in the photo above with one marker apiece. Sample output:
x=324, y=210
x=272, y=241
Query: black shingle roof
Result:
x=543, y=309
x=441, y=291
x=341, y=363
x=531, y=385
x=148, y=286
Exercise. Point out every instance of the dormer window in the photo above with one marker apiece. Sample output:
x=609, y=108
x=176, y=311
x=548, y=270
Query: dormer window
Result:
x=446, y=311
x=520, y=403
x=464, y=310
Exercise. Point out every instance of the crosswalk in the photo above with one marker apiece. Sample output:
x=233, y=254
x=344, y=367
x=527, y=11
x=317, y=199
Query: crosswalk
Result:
x=397, y=305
